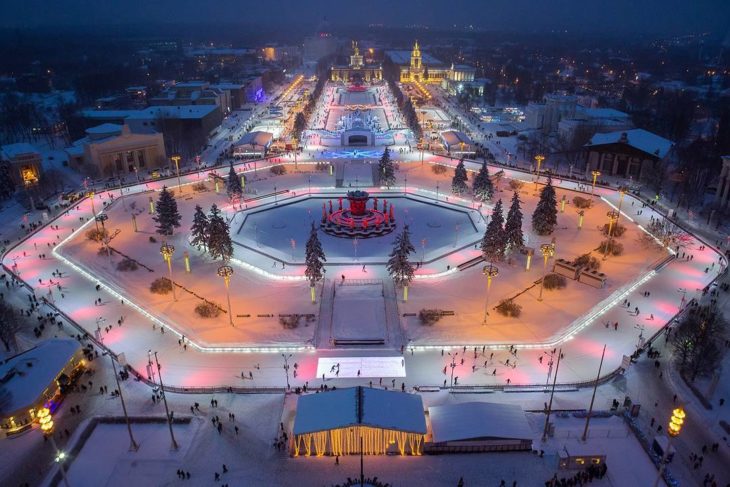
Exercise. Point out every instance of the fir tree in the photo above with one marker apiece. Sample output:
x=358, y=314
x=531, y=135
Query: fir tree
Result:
x=315, y=260
x=494, y=242
x=167, y=217
x=399, y=268
x=233, y=186
x=513, y=225
x=545, y=216
x=386, y=169
x=219, y=238
x=199, y=229
x=483, y=187
x=458, y=182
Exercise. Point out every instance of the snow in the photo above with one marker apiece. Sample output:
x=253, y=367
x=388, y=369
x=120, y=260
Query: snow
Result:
x=368, y=367
x=471, y=420
x=638, y=138
x=359, y=312
x=28, y=375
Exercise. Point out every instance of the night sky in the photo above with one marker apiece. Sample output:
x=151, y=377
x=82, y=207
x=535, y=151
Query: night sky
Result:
x=599, y=16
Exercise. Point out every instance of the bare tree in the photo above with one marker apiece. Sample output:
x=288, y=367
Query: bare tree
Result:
x=697, y=341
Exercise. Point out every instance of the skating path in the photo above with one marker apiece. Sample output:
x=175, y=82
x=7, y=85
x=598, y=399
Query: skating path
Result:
x=193, y=368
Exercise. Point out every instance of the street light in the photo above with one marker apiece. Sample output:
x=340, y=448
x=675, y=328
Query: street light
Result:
x=46, y=422
x=612, y=218
x=164, y=400
x=90, y=195
x=593, y=186
x=296, y=146
x=286, y=368
x=133, y=446
x=539, y=158
x=176, y=159
x=547, y=251
x=101, y=219
x=226, y=271
x=674, y=427
x=490, y=271
x=167, y=250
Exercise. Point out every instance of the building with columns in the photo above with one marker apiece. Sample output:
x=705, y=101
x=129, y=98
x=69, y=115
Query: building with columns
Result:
x=356, y=70
x=722, y=196
x=114, y=150
x=630, y=153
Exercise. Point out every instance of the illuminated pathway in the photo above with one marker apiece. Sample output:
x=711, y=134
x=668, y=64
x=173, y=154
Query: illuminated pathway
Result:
x=422, y=366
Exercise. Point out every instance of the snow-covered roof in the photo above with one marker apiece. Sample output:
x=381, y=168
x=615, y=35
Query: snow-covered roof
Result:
x=353, y=406
x=473, y=420
x=28, y=374
x=640, y=139
x=258, y=137
x=105, y=129
x=454, y=137
x=601, y=113
x=21, y=148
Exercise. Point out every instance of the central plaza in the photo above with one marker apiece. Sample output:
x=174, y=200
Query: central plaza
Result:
x=269, y=229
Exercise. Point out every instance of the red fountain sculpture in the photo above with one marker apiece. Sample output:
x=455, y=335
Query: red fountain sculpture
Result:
x=359, y=221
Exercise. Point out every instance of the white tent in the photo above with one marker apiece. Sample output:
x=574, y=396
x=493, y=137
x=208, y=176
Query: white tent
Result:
x=333, y=422
x=479, y=426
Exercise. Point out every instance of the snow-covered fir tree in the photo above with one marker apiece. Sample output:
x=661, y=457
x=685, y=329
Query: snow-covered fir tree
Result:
x=483, y=187
x=199, y=228
x=166, y=215
x=545, y=216
x=399, y=267
x=494, y=242
x=234, y=188
x=458, y=182
x=314, y=260
x=513, y=225
x=219, y=238
x=386, y=169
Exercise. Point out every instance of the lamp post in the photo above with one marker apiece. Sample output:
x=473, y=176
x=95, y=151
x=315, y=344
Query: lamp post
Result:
x=121, y=192
x=164, y=400
x=490, y=271
x=674, y=427
x=539, y=158
x=612, y=218
x=133, y=446
x=226, y=271
x=621, y=193
x=286, y=368
x=547, y=251
x=595, y=175
x=46, y=422
x=167, y=250
x=176, y=159
x=552, y=393
x=581, y=214
x=90, y=195
x=452, y=365
x=422, y=149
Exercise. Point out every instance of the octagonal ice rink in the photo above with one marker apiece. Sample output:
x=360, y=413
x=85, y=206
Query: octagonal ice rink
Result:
x=281, y=231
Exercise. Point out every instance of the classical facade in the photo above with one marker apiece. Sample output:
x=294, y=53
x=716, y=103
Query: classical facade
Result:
x=113, y=150
x=630, y=153
x=24, y=161
x=423, y=68
x=356, y=70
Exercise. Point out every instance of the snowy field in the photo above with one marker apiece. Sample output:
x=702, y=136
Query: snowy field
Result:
x=359, y=312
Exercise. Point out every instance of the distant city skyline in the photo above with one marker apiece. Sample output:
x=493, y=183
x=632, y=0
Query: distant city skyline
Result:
x=597, y=16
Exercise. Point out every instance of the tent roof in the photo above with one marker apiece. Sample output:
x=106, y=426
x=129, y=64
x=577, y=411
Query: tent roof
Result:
x=454, y=137
x=472, y=420
x=258, y=137
x=355, y=406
